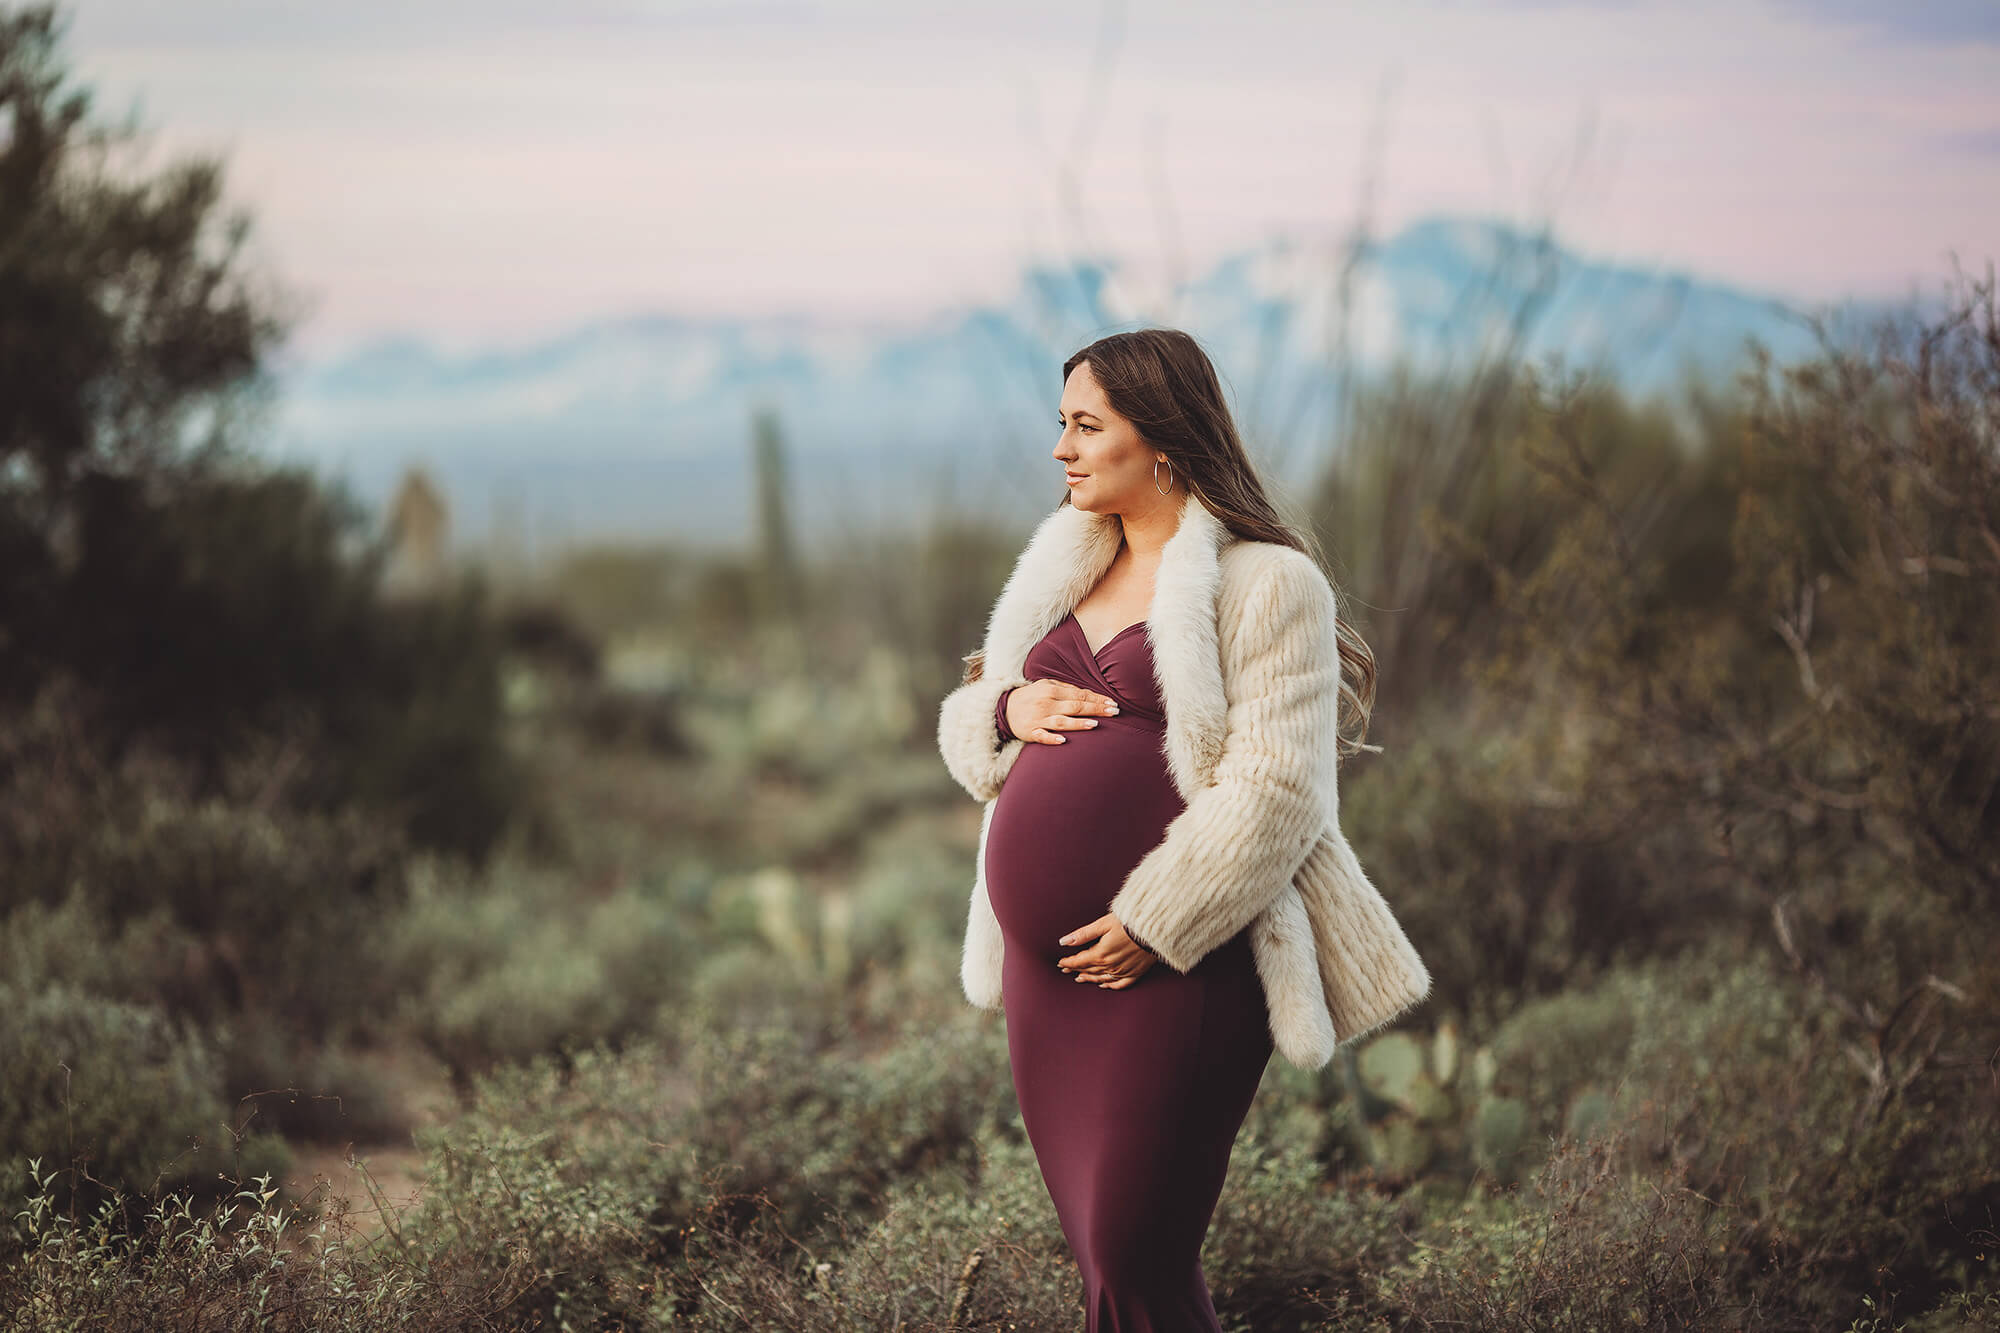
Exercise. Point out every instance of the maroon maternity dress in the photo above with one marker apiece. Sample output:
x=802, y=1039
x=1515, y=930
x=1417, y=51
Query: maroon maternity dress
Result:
x=1131, y=1097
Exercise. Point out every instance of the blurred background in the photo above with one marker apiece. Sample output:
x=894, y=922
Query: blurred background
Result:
x=492, y=497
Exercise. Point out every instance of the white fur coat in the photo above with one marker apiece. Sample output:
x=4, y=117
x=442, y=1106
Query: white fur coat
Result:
x=1243, y=645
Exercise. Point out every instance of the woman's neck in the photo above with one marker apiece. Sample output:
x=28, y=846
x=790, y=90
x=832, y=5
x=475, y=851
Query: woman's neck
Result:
x=1146, y=535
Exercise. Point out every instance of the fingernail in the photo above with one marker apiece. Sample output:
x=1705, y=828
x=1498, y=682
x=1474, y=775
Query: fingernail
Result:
x=1063, y=940
x=1090, y=722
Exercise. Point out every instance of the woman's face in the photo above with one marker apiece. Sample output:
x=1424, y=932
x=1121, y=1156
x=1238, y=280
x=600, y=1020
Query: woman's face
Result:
x=1110, y=467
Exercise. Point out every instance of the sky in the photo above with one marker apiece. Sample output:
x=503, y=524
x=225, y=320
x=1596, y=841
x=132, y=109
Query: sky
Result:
x=493, y=172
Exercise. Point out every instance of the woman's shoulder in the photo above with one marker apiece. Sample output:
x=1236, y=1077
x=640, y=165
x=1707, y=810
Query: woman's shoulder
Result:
x=1255, y=569
x=1276, y=598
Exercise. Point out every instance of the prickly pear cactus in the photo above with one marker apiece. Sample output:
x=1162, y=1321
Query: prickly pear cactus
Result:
x=1426, y=1104
x=1499, y=1133
x=1589, y=1111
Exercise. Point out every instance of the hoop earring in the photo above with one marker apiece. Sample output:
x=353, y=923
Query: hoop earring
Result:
x=1168, y=489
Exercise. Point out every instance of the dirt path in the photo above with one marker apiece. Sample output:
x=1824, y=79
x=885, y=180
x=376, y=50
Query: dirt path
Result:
x=378, y=1181
x=321, y=1174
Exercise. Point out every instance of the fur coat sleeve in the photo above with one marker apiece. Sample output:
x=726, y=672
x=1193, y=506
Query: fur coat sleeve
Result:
x=1241, y=839
x=973, y=752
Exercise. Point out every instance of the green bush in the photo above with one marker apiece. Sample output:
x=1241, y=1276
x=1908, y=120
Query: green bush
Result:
x=598, y=1173
x=1288, y=1244
x=229, y=604
x=255, y=1262
x=976, y=1236
x=1729, y=1082
x=1586, y=1245
x=120, y=1092
x=513, y=965
x=985, y=1246
x=71, y=944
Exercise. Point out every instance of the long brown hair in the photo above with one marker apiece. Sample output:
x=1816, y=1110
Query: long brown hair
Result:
x=1163, y=382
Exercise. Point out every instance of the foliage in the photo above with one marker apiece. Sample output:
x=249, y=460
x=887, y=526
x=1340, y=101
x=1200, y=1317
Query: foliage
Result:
x=597, y=1174
x=120, y=1089
x=257, y=1262
x=1589, y=1247
x=230, y=605
x=130, y=329
x=509, y=966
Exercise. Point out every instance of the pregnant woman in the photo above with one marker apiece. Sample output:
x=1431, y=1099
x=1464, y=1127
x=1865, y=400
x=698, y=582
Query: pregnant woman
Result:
x=1162, y=895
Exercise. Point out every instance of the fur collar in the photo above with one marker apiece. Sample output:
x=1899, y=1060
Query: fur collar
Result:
x=1063, y=561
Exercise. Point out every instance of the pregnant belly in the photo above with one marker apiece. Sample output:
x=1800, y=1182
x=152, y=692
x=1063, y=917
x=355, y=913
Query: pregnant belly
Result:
x=1070, y=823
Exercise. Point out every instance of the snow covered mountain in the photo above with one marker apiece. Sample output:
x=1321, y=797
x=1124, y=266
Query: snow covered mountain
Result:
x=639, y=428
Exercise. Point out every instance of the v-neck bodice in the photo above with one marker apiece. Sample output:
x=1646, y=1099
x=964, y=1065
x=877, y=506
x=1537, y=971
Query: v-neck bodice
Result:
x=1121, y=668
x=1137, y=624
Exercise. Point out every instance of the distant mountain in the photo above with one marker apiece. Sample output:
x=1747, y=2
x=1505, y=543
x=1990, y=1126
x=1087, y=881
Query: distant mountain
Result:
x=638, y=428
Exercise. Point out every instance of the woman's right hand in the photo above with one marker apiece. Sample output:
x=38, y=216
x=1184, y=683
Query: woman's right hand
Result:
x=1043, y=709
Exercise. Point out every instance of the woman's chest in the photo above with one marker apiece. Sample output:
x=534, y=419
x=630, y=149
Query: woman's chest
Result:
x=1118, y=600
x=1122, y=668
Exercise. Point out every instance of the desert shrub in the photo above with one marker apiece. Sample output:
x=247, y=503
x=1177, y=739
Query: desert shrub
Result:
x=597, y=1172
x=255, y=1262
x=1731, y=1081
x=70, y=943
x=983, y=1249
x=117, y=1095
x=1586, y=1245
x=1297, y=1110
x=1434, y=503
x=987, y=1248
x=1806, y=740
x=1488, y=868
x=589, y=1233
x=1835, y=1185
x=276, y=907
x=205, y=904
x=513, y=965
x=1287, y=1243
x=747, y=985
x=1801, y=745
x=1717, y=1017
x=265, y=887
x=909, y=897
x=789, y=1111
x=231, y=599
x=571, y=1174
x=1958, y=1312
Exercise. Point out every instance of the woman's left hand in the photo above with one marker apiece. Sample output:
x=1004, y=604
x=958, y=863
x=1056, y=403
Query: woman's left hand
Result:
x=1114, y=962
